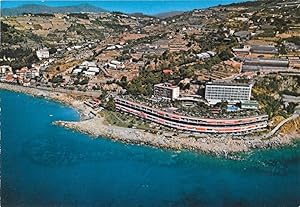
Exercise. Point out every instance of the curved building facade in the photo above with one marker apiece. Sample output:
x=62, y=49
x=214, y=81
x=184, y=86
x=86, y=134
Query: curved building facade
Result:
x=192, y=124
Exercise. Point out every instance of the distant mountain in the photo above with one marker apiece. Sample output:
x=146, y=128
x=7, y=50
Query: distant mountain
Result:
x=139, y=14
x=168, y=14
x=38, y=8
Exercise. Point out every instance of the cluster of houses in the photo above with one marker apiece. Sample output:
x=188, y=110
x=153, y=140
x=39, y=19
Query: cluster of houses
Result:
x=114, y=47
x=206, y=55
x=264, y=65
x=88, y=68
x=43, y=53
x=91, y=68
x=23, y=75
x=114, y=64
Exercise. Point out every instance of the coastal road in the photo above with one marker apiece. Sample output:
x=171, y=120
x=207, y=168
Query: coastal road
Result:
x=62, y=90
x=294, y=116
x=15, y=87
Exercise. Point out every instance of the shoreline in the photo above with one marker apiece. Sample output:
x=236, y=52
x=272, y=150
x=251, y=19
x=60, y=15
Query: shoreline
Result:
x=96, y=127
x=59, y=97
x=225, y=147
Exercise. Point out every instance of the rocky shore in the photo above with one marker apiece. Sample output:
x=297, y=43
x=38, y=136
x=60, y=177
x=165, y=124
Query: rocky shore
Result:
x=218, y=146
x=223, y=146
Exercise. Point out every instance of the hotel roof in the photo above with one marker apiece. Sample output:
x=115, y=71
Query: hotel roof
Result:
x=166, y=85
x=228, y=84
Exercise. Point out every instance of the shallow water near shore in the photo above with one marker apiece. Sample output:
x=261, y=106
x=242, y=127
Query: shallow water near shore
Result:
x=46, y=165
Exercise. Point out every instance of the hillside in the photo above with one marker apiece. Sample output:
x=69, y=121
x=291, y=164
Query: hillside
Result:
x=37, y=8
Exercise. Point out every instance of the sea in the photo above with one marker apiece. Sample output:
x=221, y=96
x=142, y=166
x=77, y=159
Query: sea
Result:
x=46, y=165
x=149, y=7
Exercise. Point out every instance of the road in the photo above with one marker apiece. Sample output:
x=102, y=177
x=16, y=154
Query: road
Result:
x=62, y=90
x=294, y=116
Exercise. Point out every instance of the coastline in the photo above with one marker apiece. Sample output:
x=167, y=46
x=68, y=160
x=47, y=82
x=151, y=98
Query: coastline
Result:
x=207, y=144
x=96, y=127
x=62, y=98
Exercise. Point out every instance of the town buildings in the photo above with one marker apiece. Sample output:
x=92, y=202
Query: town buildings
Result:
x=264, y=49
x=205, y=55
x=256, y=50
x=264, y=65
x=88, y=68
x=4, y=69
x=242, y=35
x=114, y=64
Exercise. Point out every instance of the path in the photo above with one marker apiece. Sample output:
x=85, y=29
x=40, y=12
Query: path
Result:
x=294, y=116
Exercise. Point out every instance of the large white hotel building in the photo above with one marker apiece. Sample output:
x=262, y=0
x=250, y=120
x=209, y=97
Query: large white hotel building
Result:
x=230, y=92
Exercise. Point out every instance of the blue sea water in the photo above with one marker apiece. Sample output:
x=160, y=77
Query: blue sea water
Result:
x=129, y=6
x=46, y=165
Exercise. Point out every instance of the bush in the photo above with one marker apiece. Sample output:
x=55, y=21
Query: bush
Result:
x=225, y=55
x=110, y=105
x=57, y=79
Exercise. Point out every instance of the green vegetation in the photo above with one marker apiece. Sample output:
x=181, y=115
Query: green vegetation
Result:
x=43, y=15
x=143, y=84
x=20, y=57
x=79, y=15
x=295, y=40
x=281, y=24
x=57, y=79
x=110, y=105
x=78, y=28
x=12, y=36
x=267, y=91
x=123, y=120
x=111, y=25
x=81, y=81
x=225, y=55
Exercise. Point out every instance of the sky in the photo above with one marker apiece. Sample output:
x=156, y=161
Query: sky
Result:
x=129, y=6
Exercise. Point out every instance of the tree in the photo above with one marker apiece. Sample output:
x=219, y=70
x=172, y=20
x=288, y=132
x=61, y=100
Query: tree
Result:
x=57, y=79
x=52, y=50
x=123, y=82
x=103, y=95
x=225, y=55
x=186, y=72
x=84, y=81
x=110, y=105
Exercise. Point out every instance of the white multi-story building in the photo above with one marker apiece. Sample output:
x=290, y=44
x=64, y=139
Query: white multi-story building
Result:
x=166, y=91
x=230, y=92
x=4, y=69
x=42, y=53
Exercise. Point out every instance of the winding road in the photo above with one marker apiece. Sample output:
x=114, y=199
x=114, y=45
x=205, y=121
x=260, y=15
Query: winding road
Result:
x=294, y=116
